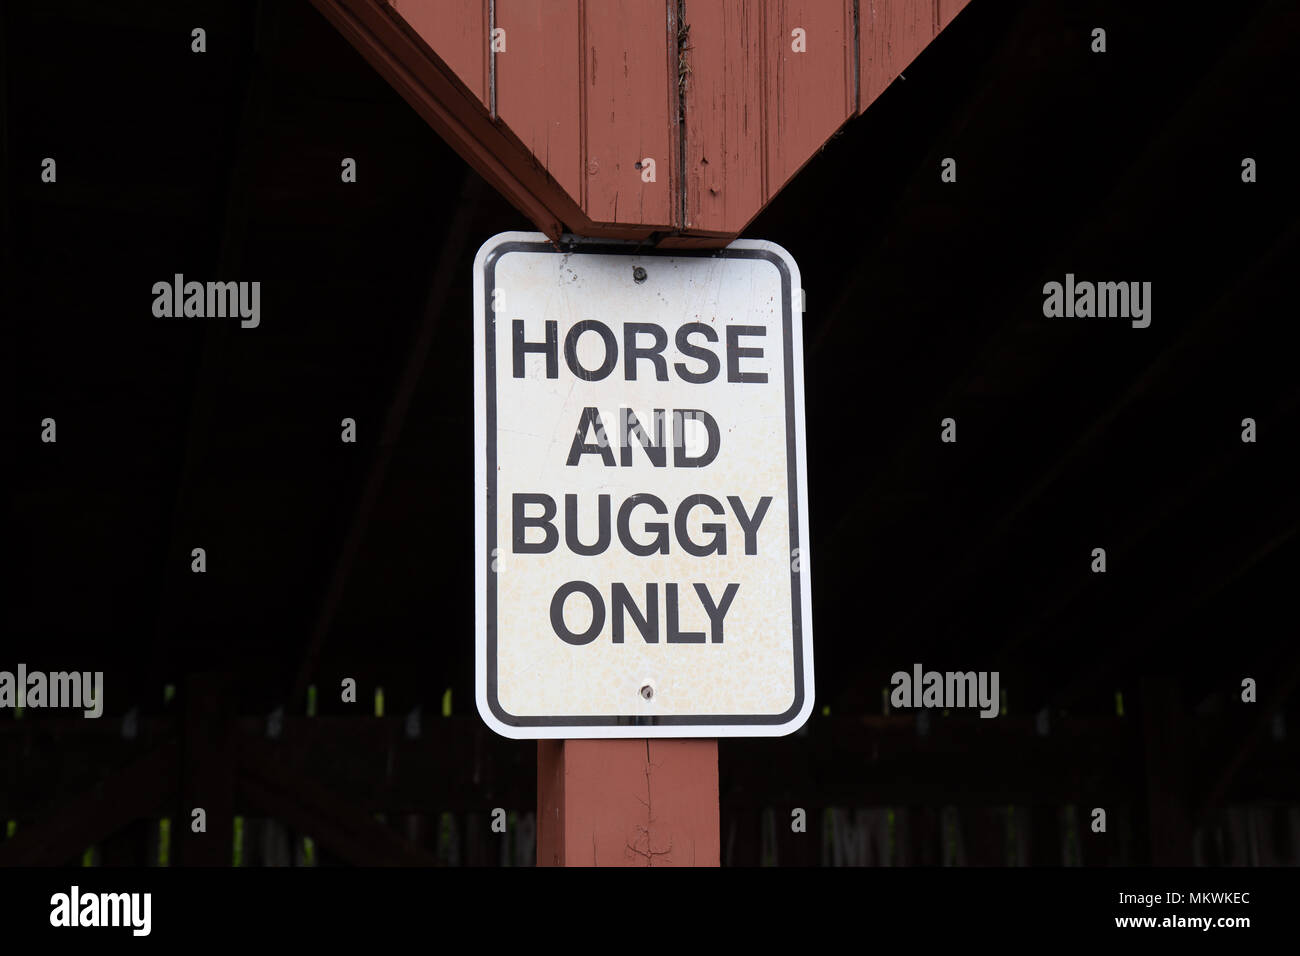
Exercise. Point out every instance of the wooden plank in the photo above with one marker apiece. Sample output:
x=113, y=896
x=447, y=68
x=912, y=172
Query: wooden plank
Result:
x=882, y=762
x=372, y=763
x=266, y=783
x=809, y=95
x=890, y=34
x=584, y=92
x=1284, y=683
x=696, y=239
x=406, y=62
x=550, y=802
x=539, y=84
x=628, y=803
x=1164, y=726
x=627, y=112
x=143, y=789
x=924, y=836
x=441, y=281
x=724, y=115
x=457, y=31
x=207, y=765
x=947, y=10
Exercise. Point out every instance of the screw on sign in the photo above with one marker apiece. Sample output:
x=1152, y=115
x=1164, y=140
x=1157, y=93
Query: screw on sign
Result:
x=640, y=472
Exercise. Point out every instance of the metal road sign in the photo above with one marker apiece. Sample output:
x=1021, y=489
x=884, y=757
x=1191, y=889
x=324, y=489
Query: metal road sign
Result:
x=641, y=493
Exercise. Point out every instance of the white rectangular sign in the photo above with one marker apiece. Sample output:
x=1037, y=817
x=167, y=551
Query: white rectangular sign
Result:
x=641, y=502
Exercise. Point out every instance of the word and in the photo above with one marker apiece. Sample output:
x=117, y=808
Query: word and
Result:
x=686, y=453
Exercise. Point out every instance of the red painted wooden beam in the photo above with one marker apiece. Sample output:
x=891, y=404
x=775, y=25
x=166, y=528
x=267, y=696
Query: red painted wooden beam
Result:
x=627, y=803
x=677, y=120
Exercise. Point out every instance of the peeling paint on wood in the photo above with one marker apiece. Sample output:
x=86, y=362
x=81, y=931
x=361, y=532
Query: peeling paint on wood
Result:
x=629, y=116
x=725, y=108
x=587, y=90
x=628, y=803
x=456, y=30
x=539, y=84
x=892, y=33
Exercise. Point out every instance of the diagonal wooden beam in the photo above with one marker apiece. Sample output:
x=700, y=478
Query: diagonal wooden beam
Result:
x=1277, y=695
x=143, y=789
x=269, y=781
x=1169, y=824
x=433, y=90
x=1259, y=543
x=1212, y=332
x=730, y=113
x=1249, y=45
x=207, y=771
x=970, y=97
x=1163, y=142
x=216, y=340
x=440, y=285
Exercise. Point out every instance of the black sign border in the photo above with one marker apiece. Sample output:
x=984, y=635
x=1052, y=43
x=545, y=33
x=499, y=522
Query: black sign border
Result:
x=491, y=538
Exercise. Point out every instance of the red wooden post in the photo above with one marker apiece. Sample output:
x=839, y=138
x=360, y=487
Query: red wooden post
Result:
x=627, y=803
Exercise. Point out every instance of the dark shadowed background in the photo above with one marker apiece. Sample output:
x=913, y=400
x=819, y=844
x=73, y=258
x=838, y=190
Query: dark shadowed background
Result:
x=328, y=560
